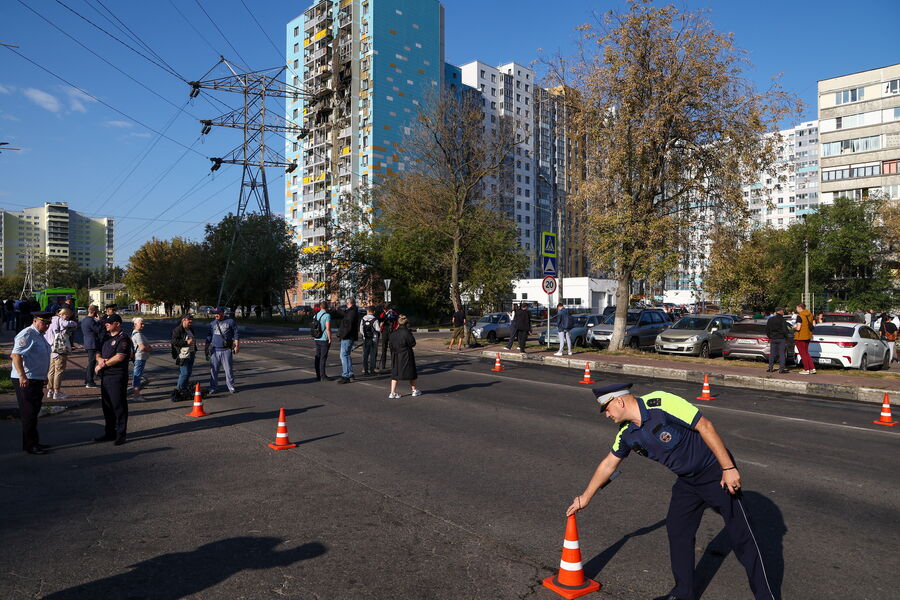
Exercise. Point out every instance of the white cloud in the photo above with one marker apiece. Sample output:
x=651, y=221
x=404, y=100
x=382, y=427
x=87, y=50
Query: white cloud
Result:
x=77, y=99
x=8, y=117
x=43, y=99
x=121, y=124
x=7, y=89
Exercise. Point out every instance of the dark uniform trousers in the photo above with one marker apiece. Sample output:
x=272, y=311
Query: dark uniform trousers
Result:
x=690, y=496
x=384, y=340
x=30, y=400
x=321, y=359
x=113, y=390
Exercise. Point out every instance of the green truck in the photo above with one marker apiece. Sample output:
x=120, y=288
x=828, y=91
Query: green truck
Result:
x=49, y=297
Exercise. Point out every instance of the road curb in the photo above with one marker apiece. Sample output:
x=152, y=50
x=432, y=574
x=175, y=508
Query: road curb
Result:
x=806, y=388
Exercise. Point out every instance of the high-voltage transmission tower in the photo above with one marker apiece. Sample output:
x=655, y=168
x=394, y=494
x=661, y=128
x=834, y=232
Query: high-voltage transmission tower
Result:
x=255, y=120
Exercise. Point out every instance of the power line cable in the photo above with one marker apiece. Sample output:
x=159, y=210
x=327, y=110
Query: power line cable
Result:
x=138, y=52
x=136, y=37
x=103, y=102
x=197, y=31
x=224, y=37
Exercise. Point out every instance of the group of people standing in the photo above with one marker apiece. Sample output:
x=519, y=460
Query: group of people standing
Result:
x=380, y=329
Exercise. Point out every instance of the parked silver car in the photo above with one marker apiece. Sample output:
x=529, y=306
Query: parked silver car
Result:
x=697, y=335
x=578, y=333
x=641, y=328
x=492, y=327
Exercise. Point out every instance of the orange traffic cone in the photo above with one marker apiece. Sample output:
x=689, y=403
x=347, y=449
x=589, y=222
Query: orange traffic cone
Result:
x=885, y=418
x=198, y=404
x=282, y=441
x=570, y=582
x=705, y=394
x=587, y=374
x=497, y=365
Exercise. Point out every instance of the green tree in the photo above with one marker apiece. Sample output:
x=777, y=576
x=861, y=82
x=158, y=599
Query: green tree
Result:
x=263, y=261
x=670, y=125
x=11, y=286
x=166, y=271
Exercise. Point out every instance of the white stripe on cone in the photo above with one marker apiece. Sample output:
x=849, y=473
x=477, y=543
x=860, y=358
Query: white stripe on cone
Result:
x=570, y=544
x=281, y=424
x=569, y=566
x=278, y=435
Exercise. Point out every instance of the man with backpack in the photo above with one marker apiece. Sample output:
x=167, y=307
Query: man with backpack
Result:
x=369, y=330
x=320, y=330
x=888, y=331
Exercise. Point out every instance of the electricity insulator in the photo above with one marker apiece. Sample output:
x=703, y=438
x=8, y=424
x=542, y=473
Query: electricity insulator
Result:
x=302, y=133
x=195, y=89
x=291, y=167
x=217, y=162
x=207, y=127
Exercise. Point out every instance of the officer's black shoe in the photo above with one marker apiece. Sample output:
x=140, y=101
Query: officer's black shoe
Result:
x=105, y=438
x=35, y=450
x=119, y=441
x=770, y=370
x=343, y=380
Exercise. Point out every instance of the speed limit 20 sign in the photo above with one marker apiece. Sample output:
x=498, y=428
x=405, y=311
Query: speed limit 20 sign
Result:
x=549, y=285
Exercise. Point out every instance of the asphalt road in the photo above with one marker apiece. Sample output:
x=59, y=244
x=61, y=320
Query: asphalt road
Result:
x=459, y=493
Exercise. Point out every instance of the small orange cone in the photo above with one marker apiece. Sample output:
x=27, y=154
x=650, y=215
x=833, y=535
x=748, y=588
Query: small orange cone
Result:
x=497, y=365
x=570, y=582
x=282, y=441
x=705, y=394
x=587, y=374
x=885, y=418
x=198, y=404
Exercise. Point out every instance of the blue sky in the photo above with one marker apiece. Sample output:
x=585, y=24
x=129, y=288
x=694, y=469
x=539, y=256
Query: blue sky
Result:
x=78, y=149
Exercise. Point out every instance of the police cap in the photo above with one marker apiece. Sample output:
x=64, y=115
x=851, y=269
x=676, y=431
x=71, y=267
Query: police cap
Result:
x=43, y=315
x=113, y=318
x=218, y=311
x=607, y=393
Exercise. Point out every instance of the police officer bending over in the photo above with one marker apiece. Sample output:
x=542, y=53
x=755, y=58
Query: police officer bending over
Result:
x=668, y=429
x=112, y=366
x=30, y=363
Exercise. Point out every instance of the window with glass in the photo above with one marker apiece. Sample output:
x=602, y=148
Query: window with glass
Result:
x=863, y=144
x=847, y=96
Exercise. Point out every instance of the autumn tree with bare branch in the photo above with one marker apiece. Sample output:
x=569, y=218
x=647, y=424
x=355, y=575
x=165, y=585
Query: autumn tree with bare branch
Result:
x=442, y=194
x=670, y=124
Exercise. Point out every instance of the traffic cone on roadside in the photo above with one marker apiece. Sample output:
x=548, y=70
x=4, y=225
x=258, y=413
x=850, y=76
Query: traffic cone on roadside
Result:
x=705, y=394
x=282, y=441
x=497, y=365
x=885, y=418
x=587, y=374
x=198, y=404
x=570, y=582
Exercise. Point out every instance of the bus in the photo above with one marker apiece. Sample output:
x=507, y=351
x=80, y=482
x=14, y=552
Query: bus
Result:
x=48, y=298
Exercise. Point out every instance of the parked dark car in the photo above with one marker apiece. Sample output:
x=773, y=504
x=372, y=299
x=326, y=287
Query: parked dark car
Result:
x=641, y=328
x=747, y=339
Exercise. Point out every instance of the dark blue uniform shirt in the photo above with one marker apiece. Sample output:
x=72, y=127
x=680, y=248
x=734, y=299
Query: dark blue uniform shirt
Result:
x=666, y=435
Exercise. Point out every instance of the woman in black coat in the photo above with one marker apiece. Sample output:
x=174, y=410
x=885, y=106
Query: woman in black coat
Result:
x=404, y=363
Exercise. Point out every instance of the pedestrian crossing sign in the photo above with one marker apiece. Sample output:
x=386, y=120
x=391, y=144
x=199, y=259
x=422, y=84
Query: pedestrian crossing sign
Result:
x=548, y=244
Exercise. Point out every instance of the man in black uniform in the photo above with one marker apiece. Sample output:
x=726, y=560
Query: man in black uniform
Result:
x=670, y=430
x=112, y=366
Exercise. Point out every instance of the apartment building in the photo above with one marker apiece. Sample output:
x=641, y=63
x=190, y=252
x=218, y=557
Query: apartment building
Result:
x=366, y=67
x=790, y=190
x=55, y=231
x=859, y=127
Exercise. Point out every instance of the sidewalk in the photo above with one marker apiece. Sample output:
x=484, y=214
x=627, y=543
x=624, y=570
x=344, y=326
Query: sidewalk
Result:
x=827, y=383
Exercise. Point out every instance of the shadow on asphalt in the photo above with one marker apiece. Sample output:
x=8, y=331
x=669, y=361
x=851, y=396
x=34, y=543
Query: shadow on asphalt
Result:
x=462, y=386
x=182, y=574
x=768, y=527
x=213, y=421
x=593, y=567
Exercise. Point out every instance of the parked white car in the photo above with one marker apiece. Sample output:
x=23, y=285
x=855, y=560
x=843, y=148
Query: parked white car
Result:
x=849, y=345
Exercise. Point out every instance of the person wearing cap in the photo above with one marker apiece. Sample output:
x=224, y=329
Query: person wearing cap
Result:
x=184, y=349
x=670, y=430
x=221, y=343
x=112, y=366
x=30, y=363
